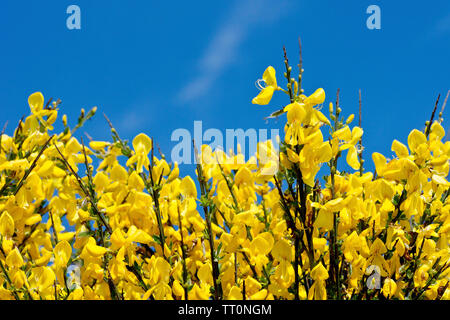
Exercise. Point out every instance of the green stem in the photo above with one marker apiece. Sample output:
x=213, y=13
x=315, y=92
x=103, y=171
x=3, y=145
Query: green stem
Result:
x=207, y=211
x=8, y=279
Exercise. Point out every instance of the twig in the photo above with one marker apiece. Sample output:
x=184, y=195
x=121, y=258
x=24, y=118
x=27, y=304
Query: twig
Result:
x=53, y=227
x=8, y=279
x=48, y=103
x=427, y=130
x=27, y=173
x=204, y=193
x=300, y=67
x=86, y=193
x=1, y=135
x=434, y=277
x=288, y=75
x=360, y=151
x=184, y=257
x=443, y=106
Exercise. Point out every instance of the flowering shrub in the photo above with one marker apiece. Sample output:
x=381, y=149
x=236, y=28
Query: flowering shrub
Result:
x=240, y=232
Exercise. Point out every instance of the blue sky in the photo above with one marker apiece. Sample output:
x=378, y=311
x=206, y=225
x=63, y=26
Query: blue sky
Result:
x=155, y=66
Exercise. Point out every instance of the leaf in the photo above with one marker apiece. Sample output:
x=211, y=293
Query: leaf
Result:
x=275, y=114
x=157, y=239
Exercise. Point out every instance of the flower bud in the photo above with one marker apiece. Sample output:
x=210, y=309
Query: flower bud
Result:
x=350, y=118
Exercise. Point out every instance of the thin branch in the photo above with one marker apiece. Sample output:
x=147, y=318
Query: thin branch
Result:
x=86, y=193
x=443, y=107
x=360, y=151
x=427, y=130
x=300, y=67
x=27, y=173
x=204, y=193
x=1, y=135
x=48, y=103
x=8, y=279
x=288, y=75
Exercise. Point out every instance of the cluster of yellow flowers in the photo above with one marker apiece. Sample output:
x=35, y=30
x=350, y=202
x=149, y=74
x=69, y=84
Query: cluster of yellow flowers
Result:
x=142, y=232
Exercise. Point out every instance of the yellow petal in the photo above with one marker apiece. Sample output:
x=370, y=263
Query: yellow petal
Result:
x=321, y=117
x=343, y=134
x=101, y=181
x=325, y=152
x=137, y=235
x=244, y=175
x=177, y=289
x=163, y=268
x=269, y=77
x=437, y=130
x=35, y=218
x=400, y=149
x=62, y=252
x=94, y=250
x=117, y=239
x=324, y=220
x=264, y=96
x=260, y=295
x=357, y=133
x=142, y=143
x=187, y=187
x=415, y=139
x=316, y=98
x=66, y=236
x=319, y=272
x=295, y=112
x=98, y=145
x=46, y=279
x=44, y=259
x=380, y=162
x=292, y=156
x=282, y=250
x=389, y=288
x=14, y=259
x=36, y=102
x=6, y=225
x=439, y=180
x=352, y=158
x=235, y=294
x=259, y=246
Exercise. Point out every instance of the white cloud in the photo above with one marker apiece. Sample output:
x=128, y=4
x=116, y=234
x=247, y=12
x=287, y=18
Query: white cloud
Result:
x=131, y=121
x=224, y=47
x=136, y=116
x=442, y=26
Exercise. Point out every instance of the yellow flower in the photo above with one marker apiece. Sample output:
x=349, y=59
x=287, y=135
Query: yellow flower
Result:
x=400, y=149
x=6, y=225
x=421, y=276
x=98, y=145
x=266, y=93
x=318, y=97
x=36, y=102
x=62, y=252
x=266, y=219
x=42, y=277
x=142, y=145
x=319, y=273
x=318, y=291
x=389, y=288
x=14, y=259
x=93, y=249
x=187, y=187
x=416, y=139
